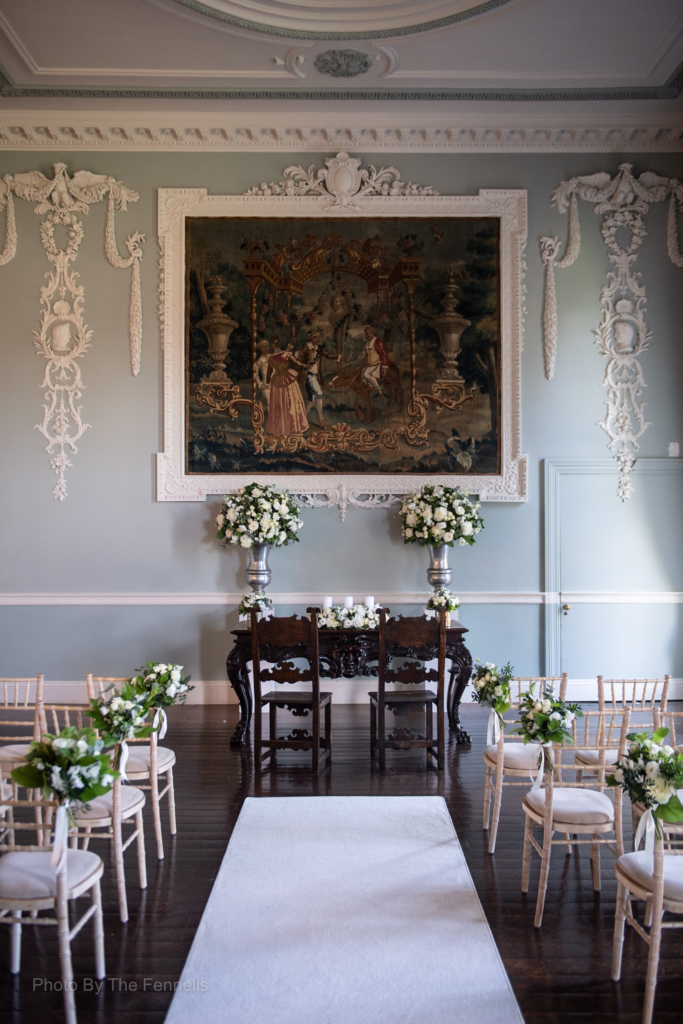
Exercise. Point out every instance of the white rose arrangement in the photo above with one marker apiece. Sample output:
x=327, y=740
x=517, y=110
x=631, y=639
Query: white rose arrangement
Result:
x=257, y=600
x=442, y=600
x=492, y=686
x=258, y=515
x=439, y=515
x=652, y=773
x=164, y=684
x=360, y=616
x=546, y=720
x=72, y=768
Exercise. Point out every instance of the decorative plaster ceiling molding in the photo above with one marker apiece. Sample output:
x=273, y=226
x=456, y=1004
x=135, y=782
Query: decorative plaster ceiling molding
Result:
x=367, y=133
x=339, y=19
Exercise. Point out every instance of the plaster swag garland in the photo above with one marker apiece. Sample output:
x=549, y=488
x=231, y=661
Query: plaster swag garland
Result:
x=63, y=336
x=622, y=336
x=258, y=515
x=439, y=515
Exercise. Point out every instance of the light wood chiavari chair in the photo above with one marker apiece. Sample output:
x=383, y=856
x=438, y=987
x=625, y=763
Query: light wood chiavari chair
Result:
x=147, y=761
x=29, y=883
x=657, y=878
x=21, y=705
x=572, y=807
x=509, y=758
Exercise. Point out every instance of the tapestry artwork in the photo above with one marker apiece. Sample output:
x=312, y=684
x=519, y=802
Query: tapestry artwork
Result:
x=368, y=345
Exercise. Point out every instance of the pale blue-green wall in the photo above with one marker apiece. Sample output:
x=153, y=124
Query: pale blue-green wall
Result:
x=111, y=536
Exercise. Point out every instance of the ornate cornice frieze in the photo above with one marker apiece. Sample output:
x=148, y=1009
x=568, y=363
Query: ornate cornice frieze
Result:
x=365, y=132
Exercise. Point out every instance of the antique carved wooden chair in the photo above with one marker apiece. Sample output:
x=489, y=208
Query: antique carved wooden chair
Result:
x=420, y=640
x=146, y=762
x=509, y=758
x=283, y=639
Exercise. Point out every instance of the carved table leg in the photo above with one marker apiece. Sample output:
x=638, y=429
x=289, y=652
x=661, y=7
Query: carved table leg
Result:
x=461, y=670
x=238, y=674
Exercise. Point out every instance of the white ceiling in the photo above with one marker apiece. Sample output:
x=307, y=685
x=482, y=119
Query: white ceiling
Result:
x=518, y=50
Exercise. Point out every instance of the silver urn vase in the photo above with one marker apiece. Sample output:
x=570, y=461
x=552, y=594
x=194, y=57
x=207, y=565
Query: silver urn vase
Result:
x=258, y=572
x=439, y=573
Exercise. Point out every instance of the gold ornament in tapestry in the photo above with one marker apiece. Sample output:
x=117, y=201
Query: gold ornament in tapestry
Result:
x=354, y=345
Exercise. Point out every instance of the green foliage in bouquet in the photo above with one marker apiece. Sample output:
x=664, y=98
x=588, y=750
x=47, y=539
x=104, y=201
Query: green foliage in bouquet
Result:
x=120, y=714
x=164, y=684
x=652, y=773
x=73, y=767
x=492, y=686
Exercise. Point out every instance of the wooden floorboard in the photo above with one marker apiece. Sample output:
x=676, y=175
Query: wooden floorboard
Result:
x=560, y=974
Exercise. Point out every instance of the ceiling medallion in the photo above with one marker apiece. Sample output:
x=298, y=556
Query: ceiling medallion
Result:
x=342, y=19
x=343, y=63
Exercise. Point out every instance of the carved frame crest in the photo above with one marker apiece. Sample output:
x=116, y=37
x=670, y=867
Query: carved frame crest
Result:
x=366, y=193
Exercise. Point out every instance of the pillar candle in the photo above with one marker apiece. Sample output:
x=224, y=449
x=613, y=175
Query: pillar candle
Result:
x=370, y=601
x=348, y=601
x=327, y=602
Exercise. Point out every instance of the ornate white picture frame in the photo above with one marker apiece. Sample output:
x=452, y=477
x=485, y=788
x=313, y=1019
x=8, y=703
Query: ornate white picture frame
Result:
x=340, y=191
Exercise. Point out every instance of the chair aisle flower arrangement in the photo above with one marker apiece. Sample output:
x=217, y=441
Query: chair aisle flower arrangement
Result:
x=71, y=769
x=120, y=716
x=652, y=774
x=508, y=761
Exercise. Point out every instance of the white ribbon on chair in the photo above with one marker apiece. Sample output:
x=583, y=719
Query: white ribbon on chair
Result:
x=160, y=714
x=493, y=728
x=646, y=826
x=539, y=774
x=59, y=841
x=123, y=760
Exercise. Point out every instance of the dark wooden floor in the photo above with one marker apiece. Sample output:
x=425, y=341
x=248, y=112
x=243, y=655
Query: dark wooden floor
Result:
x=561, y=975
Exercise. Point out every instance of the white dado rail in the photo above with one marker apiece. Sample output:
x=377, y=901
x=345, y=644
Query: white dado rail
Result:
x=387, y=598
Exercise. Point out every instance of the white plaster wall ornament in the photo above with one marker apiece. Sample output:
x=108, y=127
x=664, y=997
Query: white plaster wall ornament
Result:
x=622, y=336
x=342, y=180
x=63, y=336
x=284, y=200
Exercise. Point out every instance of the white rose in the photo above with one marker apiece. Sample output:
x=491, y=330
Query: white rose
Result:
x=220, y=521
x=282, y=536
x=411, y=519
x=462, y=542
x=618, y=775
x=175, y=675
x=257, y=492
x=252, y=525
x=245, y=541
x=407, y=532
x=161, y=668
x=231, y=515
x=460, y=511
x=498, y=690
x=662, y=791
x=440, y=514
x=448, y=536
x=466, y=529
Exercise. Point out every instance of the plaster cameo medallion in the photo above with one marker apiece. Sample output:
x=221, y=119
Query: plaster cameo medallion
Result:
x=343, y=63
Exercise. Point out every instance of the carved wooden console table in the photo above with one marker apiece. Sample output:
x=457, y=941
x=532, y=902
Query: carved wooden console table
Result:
x=344, y=654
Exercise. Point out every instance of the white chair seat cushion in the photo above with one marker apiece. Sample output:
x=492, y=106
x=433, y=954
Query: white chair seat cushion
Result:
x=638, y=866
x=28, y=875
x=102, y=806
x=139, y=758
x=592, y=757
x=14, y=752
x=574, y=806
x=517, y=755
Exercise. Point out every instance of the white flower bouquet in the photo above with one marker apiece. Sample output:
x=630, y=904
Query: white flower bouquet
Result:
x=257, y=600
x=120, y=715
x=545, y=720
x=70, y=768
x=492, y=686
x=164, y=684
x=442, y=600
x=439, y=515
x=359, y=616
x=651, y=774
x=258, y=515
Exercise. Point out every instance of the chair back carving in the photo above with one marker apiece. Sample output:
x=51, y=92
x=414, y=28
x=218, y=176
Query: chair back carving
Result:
x=417, y=638
x=22, y=718
x=285, y=633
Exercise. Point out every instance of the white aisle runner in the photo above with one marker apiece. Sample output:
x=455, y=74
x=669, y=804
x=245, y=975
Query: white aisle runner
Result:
x=344, y=910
